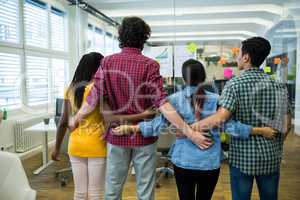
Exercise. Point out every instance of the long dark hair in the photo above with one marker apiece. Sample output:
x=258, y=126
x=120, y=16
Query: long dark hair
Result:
x=87, y=67
x=194, y=74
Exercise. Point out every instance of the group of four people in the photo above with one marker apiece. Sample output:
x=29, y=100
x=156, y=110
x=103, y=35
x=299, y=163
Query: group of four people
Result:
x=111, y=100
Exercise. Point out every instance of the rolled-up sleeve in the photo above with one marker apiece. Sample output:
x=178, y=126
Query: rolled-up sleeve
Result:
x=155, y=85
x=154, y=127
x=228, y=99
x=238, y=129
x=98, y=90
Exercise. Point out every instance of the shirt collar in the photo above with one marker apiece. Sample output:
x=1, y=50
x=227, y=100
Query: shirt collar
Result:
x=251, y=69
x=189, y=90
x=131, y=50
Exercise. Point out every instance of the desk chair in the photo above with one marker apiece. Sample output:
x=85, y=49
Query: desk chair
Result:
x=219, y=85
x=165, y=141
x=14, y=184
x=63, y=174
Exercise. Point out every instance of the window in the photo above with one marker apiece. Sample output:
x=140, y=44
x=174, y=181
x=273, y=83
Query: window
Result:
x=90, y=36
x=9, y=21
x=59, y=74
x=99, y=40
x=37, y=81
x=95, y=39
x=44, y=53
x=36, y=23
x=10, y=78
x=109, y=46
x=57, y=19
x=116, y=45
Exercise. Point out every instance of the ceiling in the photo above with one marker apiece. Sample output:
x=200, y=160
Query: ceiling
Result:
x=201, y=20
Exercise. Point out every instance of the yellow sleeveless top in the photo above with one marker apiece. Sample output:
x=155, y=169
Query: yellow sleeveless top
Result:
x=87, y=140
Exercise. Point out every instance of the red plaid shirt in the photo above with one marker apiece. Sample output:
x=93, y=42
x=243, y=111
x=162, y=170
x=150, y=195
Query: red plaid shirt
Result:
x=131, y=83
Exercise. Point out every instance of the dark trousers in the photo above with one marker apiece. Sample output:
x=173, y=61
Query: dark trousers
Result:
x=241, y=185
x=195, y=184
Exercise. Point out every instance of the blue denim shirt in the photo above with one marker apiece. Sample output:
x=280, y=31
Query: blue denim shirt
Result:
x=184, y=153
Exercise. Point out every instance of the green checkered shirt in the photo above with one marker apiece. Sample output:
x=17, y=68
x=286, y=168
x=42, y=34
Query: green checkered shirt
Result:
x=256, y=99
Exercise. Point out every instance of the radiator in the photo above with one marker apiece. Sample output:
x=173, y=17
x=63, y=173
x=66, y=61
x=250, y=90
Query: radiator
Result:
x=27, y=141
x=23, y=142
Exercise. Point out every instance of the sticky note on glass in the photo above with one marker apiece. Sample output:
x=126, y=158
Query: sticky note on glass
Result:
x=267, y=69
x=192, y=47
x=228, y=73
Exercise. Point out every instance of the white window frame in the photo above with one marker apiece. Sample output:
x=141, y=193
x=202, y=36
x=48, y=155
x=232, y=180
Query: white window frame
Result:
x=25, y=50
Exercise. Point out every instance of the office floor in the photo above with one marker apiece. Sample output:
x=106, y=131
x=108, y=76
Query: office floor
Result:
x=48, y=187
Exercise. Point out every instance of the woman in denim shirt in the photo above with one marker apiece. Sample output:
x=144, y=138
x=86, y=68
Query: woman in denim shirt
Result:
x=195, y=169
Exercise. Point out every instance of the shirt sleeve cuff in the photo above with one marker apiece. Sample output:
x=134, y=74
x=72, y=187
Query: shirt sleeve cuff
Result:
x=226, y=106
x=238, y=129
x=146, y=129
x=92, y=98
x=245, y=131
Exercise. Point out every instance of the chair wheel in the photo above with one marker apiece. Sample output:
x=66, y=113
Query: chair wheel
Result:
x=158, y=185
x=63, y=183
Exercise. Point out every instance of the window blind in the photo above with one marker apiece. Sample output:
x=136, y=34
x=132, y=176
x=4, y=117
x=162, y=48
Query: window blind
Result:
x=9, y=21
x=109, y=46
x=116, y=45
x=10, y=78
x=57, y=18
x=99, y=40
x=59, y=74
x=90, y=38
x=37, y=81
x=36, y=23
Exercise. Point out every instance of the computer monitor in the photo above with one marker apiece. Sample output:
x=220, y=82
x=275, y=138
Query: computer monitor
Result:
x=59, y=107
x=219, y=85
x=58, y=110
x=292, y=91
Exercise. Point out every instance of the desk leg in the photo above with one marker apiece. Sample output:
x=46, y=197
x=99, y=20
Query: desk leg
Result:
x=45, y=148
x=46, y=161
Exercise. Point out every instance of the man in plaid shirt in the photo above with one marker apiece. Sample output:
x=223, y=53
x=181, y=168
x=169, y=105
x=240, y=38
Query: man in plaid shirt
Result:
x=131, y=83
x=256, y=99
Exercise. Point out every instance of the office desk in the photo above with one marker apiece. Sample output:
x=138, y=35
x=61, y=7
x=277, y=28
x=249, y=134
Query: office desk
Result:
x=43, y=129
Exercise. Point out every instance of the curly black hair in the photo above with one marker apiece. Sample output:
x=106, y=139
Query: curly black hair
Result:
x=133, y=32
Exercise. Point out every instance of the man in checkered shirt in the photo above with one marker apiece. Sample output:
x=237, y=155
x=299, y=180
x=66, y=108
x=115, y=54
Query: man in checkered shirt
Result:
x=256, y=99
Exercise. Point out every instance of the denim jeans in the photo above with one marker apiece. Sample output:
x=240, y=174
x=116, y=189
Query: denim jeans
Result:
x=144, y=163
x=242, y=184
